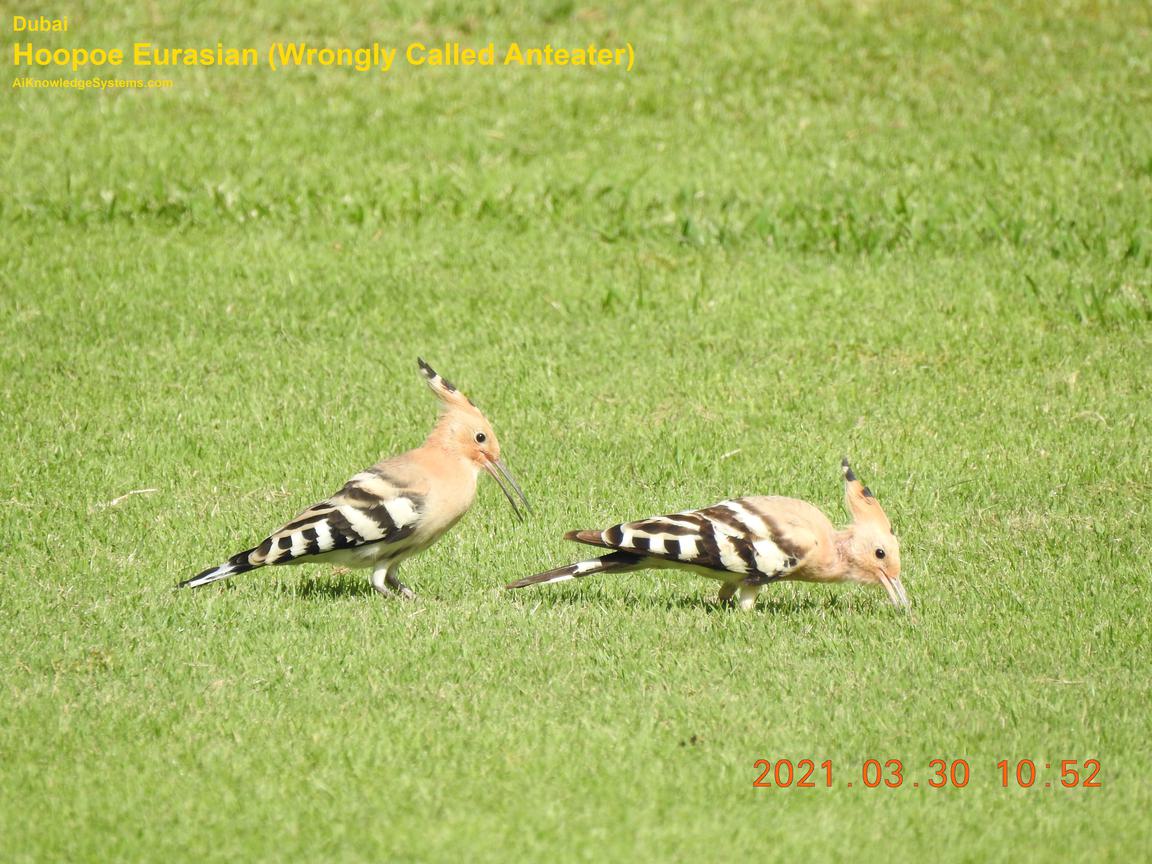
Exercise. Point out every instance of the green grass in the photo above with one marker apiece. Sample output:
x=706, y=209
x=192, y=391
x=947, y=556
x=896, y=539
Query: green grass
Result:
x=916, y=234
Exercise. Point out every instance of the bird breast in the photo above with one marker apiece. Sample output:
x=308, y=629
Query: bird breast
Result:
x=447, y=502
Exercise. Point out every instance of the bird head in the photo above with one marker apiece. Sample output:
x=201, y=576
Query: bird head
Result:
x=465, y=432
x=872, y=547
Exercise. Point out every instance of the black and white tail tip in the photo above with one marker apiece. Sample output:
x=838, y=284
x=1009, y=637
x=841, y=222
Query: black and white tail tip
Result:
x=238, y=563
x=615, y=562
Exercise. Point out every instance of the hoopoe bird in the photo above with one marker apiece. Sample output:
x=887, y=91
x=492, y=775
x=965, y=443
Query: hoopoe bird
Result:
x=747, y=543
x=393, y=510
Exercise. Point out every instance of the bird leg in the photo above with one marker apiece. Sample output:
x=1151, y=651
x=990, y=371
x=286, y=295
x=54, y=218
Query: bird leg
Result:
x=748, y=594
x=727, y=592
x=380, y=579
x=387, y=582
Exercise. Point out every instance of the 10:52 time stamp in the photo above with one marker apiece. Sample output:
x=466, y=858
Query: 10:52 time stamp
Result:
x=941, y=773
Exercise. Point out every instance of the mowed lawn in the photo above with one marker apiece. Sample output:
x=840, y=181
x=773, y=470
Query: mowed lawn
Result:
x=915, y=234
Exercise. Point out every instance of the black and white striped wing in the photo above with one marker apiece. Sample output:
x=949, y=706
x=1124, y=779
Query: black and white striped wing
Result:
x=730, y=537
x=375, y=507
x=363, y=513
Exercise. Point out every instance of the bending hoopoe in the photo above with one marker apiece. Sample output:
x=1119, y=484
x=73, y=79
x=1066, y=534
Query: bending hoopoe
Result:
x=746, y=543
x=396, y=508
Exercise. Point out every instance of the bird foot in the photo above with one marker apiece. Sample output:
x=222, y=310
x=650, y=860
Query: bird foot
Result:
x=401, y=591
x=388, y=583
x=400, y=588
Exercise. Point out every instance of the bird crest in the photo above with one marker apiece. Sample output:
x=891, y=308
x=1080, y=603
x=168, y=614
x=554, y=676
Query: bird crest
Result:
x=445, y=390
x=861, y=503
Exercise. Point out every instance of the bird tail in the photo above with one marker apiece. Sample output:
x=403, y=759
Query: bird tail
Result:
x=238, y=563
x=615, y=562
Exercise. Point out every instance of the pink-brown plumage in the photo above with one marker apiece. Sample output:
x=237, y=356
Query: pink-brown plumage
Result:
x=747, y=543
x=393, y=510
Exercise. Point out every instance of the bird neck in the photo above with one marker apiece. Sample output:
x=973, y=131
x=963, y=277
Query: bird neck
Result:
x=445, y=439
x=449, y=481
x=442, y=430
x=845, y=563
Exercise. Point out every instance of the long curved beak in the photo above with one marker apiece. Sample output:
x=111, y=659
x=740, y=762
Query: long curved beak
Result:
x=895, y=589
x=504, y=479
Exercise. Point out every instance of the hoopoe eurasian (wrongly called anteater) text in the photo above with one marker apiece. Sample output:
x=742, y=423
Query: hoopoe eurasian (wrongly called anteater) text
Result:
x=747, y=543
x=396, y=508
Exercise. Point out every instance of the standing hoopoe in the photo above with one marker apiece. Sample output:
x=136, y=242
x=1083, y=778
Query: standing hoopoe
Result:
x=747, y=543
x=396, y=508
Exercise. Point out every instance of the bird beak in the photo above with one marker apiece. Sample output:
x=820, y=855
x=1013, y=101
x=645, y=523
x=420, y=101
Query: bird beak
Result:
x=501, y=474
x=895, y=590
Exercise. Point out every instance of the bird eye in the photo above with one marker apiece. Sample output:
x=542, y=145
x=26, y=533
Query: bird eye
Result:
x=880, y=553
x=481, y=437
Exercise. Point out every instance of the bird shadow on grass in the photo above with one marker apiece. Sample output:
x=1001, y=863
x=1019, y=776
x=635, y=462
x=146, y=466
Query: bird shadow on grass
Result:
x=699, y=602
x=764, y=606
x=788, y=606
x=324, y=587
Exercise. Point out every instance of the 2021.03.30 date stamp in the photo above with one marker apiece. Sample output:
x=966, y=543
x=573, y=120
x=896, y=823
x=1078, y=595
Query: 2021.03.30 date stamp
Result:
x=939, y=774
